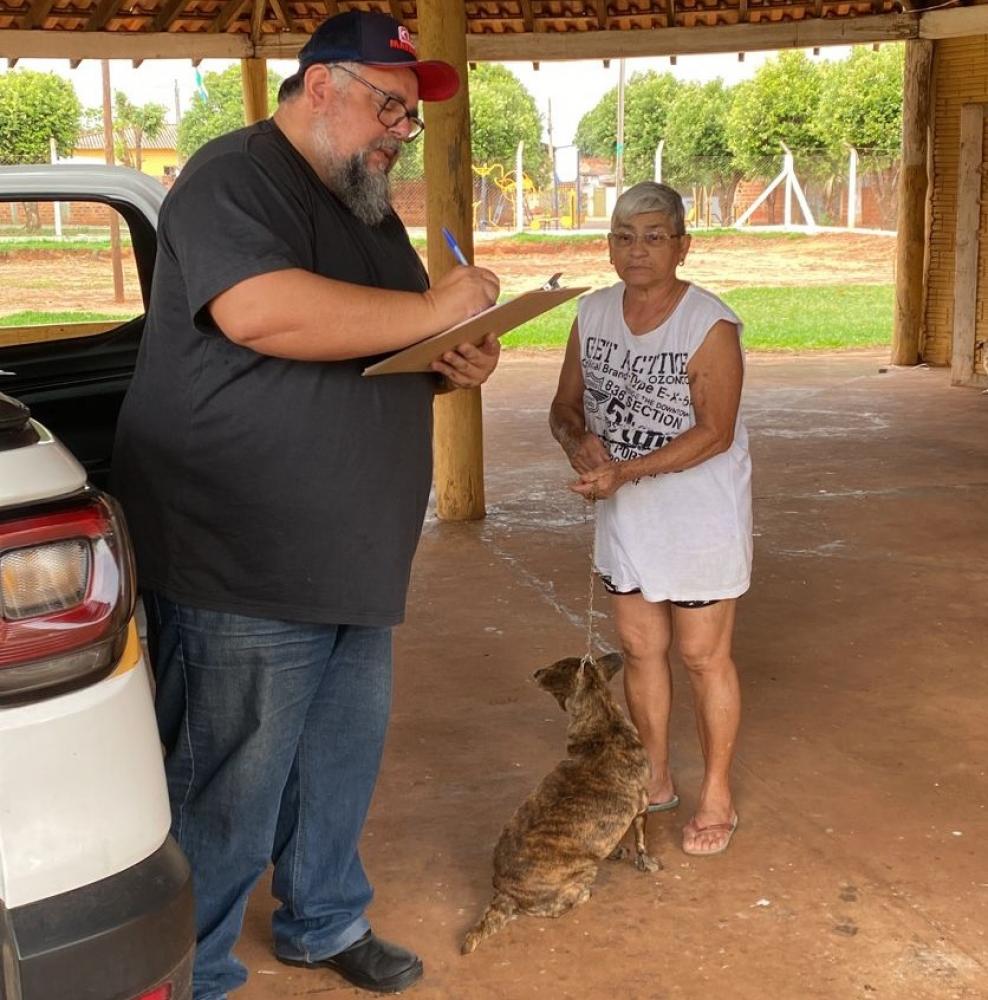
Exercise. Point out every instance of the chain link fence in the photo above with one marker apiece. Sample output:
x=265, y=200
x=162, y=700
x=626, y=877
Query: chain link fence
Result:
x=714, y=194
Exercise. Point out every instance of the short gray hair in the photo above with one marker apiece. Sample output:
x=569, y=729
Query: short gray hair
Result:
x=650, y=196
x=292, y=86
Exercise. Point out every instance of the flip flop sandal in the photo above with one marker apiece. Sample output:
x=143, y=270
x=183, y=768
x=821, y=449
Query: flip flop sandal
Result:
x=727, y=828
x=661, y=807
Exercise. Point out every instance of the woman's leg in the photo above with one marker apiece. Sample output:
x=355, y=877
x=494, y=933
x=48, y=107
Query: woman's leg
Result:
x=645, y=633
x=703, y=638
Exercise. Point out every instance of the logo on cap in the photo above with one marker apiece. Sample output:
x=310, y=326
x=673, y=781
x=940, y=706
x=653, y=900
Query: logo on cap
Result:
x=403, y=41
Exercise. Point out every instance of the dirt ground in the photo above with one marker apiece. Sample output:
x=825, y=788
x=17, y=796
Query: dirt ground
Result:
x=44, y=281
x=859, y=867
x=718, y=263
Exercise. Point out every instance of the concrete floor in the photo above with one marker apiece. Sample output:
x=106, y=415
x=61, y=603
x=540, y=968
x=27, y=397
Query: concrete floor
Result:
x=860, y=868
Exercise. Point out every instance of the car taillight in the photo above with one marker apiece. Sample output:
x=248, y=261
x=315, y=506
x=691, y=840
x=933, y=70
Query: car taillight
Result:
x=162, y=992
x=66, y=596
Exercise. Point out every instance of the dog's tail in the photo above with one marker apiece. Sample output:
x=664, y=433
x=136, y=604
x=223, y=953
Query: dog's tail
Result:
x=501, y=909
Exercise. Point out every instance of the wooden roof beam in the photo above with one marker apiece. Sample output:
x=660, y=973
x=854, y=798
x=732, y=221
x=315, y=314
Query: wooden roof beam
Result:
x=394, y=6
x=80, y=45
x=544, y=46
x=102, y=13
x=257, y=13
x=227, y=14
x=168, y=14
x=284, y=15
x=601, y=6
x=37, y=13
x=526, y=14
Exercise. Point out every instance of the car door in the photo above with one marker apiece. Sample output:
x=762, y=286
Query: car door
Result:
x=77, y=251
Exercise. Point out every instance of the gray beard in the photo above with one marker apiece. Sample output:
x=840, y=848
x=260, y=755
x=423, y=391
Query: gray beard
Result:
x=366, y=192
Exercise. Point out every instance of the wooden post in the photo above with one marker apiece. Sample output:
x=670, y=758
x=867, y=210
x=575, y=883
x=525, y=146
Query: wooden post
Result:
x=913, y=180
x=115, y=254
x=254, y=73
x=458, y=440
x=967, y=245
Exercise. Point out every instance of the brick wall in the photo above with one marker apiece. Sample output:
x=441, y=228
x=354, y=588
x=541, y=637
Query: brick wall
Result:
x=960, y=75
x=74, y=213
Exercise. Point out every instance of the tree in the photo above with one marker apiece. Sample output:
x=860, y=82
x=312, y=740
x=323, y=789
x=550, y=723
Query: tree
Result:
x=777, y=105
x=647, y=99
x=861, y=101
x=502, y=114
x=861, y=106
x=696, y=150
x=220, y=110
x=34, y=109
x=132, y=124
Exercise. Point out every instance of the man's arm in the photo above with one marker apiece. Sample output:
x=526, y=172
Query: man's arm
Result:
x=296, y=314
x=567, y=421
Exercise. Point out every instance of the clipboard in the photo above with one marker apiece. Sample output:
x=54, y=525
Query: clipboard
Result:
x=499, y=320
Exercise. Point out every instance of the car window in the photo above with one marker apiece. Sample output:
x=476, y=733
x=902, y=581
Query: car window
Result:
x=67, y=270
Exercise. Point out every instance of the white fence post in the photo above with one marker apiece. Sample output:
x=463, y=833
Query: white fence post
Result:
x=658, y=161
x=519, y=190
x=852, y=189
x=56, y=206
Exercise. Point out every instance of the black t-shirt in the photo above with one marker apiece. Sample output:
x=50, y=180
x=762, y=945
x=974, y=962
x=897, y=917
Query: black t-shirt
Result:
x=292, y=490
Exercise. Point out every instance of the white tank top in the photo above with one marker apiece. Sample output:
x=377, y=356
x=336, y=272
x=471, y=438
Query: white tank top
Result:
x=683, y=536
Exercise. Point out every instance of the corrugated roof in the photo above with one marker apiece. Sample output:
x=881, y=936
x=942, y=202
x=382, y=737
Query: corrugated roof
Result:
x=166, y=139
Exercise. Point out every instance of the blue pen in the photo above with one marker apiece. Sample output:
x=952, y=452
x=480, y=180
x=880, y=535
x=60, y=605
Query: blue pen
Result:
x=454, y=246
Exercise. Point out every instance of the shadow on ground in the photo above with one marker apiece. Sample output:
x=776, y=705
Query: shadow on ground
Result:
x=859, y=869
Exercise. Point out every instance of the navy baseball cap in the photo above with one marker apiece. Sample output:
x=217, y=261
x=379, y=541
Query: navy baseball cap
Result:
x=375, y=39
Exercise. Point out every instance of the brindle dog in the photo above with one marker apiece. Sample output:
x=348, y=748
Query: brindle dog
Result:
x=548, y=854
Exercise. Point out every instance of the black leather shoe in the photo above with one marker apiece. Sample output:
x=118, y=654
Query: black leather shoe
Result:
x=372, y=964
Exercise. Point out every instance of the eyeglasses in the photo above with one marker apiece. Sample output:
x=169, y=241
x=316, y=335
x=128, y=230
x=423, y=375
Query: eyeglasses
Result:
x=392, y=112
x=650, y=240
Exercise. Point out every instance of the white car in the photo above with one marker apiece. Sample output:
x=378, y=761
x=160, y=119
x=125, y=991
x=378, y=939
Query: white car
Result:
x=95, y=897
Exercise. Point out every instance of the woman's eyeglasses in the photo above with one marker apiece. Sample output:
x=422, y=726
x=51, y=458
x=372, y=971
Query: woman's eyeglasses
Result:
x=650, y=240
x=392, y=112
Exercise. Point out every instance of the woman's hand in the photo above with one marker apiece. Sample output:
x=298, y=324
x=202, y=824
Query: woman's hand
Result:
x=586, y=452
x=602, y=482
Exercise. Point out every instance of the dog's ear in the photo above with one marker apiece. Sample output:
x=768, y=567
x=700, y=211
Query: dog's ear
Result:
x=610, y=664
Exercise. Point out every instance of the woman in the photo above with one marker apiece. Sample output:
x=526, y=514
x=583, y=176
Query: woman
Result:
x=647, y=413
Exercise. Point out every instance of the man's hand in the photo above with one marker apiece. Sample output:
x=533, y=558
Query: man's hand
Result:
x=461, y=293
x=602, y=482
x=586, y=452
x=469, y=366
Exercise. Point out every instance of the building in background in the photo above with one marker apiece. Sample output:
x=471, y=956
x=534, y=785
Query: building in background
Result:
x=159, y=156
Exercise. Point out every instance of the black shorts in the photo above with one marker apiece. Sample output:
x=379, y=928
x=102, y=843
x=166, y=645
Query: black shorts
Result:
x=611, y=589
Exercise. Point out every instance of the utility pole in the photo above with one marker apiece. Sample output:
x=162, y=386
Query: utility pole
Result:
x=178, y=105
x=118, y=285
x=552, y=152
x=619, y=151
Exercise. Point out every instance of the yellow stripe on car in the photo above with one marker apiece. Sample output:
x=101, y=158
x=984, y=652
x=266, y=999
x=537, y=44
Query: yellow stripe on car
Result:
x=132, y=651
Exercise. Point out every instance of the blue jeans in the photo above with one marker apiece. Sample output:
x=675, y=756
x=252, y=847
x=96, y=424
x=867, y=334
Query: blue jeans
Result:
x=273, y=733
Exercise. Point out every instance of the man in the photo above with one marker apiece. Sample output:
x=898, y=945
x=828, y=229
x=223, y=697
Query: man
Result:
x=276, y=496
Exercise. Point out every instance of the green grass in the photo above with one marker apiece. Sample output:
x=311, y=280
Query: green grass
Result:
x=13, y=245
x=30, y=317
x=828, y=317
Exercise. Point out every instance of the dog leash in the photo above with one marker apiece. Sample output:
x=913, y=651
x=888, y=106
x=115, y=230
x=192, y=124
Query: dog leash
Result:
x=588, y=656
